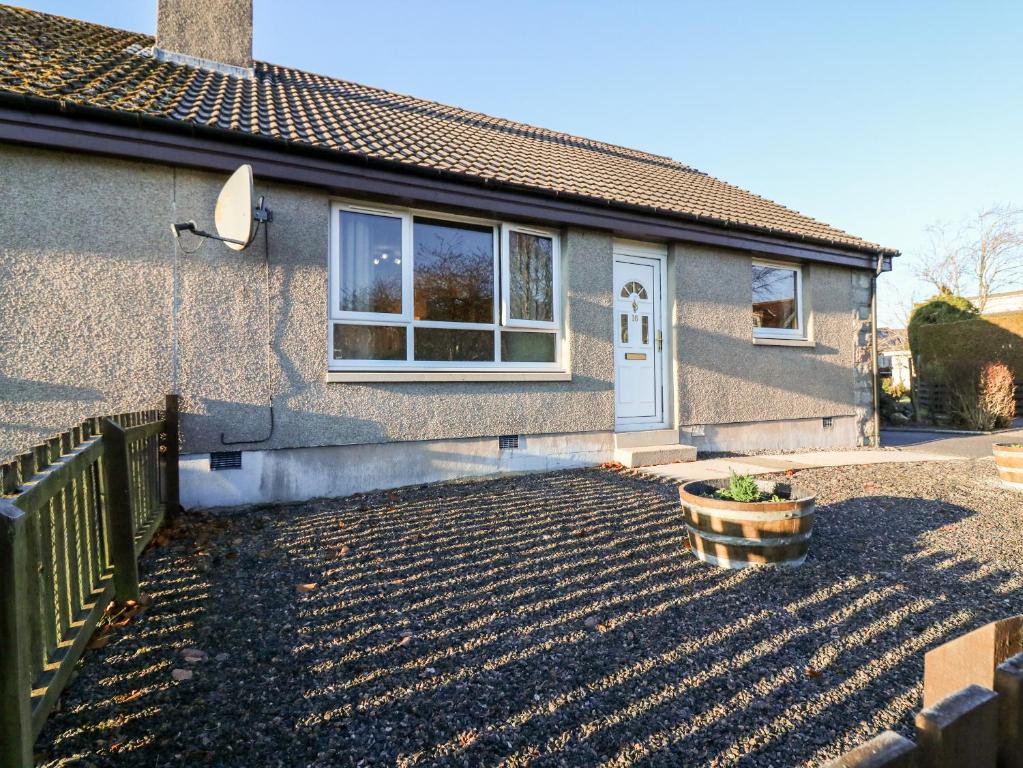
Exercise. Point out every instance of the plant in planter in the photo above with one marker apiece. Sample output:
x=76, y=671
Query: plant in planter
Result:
x=741, y=521
x=1009, y=462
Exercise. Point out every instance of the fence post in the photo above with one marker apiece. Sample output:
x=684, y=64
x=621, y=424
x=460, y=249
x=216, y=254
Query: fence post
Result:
x=171, y=457
x=121, y=528
x=15, y=683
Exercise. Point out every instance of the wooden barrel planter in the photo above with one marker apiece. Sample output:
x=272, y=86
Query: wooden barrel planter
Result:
x=731, y=534
x=1009, y=460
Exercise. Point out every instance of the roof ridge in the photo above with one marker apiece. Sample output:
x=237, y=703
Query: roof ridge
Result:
x=481, y=118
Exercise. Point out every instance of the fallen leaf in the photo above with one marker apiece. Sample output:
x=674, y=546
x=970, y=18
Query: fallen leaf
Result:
x=99, y=640
x=344, y=550
x=407, y=640
x=181, y=675
x=125, y=698
x=307, y=587
x=811, y=672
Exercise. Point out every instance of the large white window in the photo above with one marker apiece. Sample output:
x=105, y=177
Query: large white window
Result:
x=423, y=291
x=777, y=301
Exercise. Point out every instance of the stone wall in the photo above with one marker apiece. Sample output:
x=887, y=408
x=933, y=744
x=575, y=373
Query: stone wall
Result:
x=863, y=378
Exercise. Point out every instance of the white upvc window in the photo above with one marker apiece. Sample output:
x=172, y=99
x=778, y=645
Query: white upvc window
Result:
x=778, y=311
x=422, y=291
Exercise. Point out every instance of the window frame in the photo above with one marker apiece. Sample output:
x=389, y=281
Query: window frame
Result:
x=406, y=319
x=506, y=319
x=799, y=332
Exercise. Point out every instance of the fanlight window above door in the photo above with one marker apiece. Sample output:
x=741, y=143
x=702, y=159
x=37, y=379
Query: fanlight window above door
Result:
x=632, y=287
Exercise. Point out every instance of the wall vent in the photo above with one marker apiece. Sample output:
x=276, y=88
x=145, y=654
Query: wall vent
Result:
x=827, y=422
x=508, y=442
x=226, y=460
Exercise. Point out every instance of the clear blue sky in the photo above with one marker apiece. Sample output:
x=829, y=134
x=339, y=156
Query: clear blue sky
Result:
x=877, y=117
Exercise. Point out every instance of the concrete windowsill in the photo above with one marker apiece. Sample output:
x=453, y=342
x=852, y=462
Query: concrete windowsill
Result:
x=783, y=342
x=366, y=377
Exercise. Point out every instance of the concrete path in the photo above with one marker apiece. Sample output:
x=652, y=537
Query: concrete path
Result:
x=966, y=446
x=710, y=469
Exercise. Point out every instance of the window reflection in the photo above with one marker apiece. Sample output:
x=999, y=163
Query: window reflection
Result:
x=370, y=279
x=531, y=279
x=774, y=298
x=454, y=272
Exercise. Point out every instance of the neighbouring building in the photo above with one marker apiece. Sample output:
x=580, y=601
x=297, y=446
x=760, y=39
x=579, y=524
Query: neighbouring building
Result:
x=894, y=360
x=1000, y=303
x=440, y=293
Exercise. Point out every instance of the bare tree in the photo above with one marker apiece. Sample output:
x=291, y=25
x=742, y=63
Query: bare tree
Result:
x=979, y=256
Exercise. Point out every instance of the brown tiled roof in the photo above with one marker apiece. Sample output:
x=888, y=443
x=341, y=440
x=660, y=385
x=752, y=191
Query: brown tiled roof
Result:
x=86, y=64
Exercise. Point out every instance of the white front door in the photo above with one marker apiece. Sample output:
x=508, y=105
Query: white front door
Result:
x=639, y=396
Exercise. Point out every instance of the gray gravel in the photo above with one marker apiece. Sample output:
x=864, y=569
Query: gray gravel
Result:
x=546, y=619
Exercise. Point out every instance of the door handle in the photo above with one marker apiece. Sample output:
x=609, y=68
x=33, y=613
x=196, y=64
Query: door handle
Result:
x=660, y=341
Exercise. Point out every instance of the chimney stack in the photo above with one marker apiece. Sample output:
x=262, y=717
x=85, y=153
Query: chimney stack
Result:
x=211, y=34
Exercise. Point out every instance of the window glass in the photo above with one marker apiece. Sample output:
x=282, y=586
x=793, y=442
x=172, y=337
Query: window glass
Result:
x=523, y=347
x=370, y=274
x=454, y=272
x=369, y=342
x=531, y=277
x=775, y=298
x=454, y=344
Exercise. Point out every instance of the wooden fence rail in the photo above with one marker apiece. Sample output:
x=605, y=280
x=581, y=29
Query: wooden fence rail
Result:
x=75, y=514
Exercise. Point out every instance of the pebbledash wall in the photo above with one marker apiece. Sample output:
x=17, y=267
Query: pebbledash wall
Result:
x=102, y=313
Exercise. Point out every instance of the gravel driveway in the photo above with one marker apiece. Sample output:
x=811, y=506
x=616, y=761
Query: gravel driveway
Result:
x=547, y=619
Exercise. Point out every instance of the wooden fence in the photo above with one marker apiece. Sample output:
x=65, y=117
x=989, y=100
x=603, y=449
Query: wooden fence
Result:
x=75, y=514
x=930, y=399
x=973, y=707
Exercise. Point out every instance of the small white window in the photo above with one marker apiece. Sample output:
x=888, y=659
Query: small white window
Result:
x=778, y=301
x=530, y=265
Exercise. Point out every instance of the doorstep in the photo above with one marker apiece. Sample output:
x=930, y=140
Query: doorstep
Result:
x=651, y=447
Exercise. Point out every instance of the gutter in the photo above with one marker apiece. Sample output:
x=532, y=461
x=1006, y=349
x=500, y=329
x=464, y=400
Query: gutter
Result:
x=167, y=126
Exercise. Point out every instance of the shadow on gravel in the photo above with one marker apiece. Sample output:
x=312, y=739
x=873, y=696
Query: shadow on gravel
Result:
x=551, y=620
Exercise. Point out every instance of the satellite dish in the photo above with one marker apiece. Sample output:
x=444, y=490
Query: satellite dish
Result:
x=233, y=216
x=237, y=216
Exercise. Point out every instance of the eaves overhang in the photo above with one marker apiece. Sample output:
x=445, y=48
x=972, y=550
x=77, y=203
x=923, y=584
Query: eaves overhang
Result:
x=52, y=124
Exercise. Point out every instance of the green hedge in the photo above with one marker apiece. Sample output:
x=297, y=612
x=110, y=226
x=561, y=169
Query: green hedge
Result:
x=985, y=339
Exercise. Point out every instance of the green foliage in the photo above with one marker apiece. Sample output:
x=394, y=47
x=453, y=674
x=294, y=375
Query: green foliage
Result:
x=944, y=308
x=939, y=349
x=744, y=489
x=896, y=391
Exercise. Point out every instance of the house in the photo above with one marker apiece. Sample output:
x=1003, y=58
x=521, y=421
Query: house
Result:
x=999, y=303
x=894, y=360
x=440, y=293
